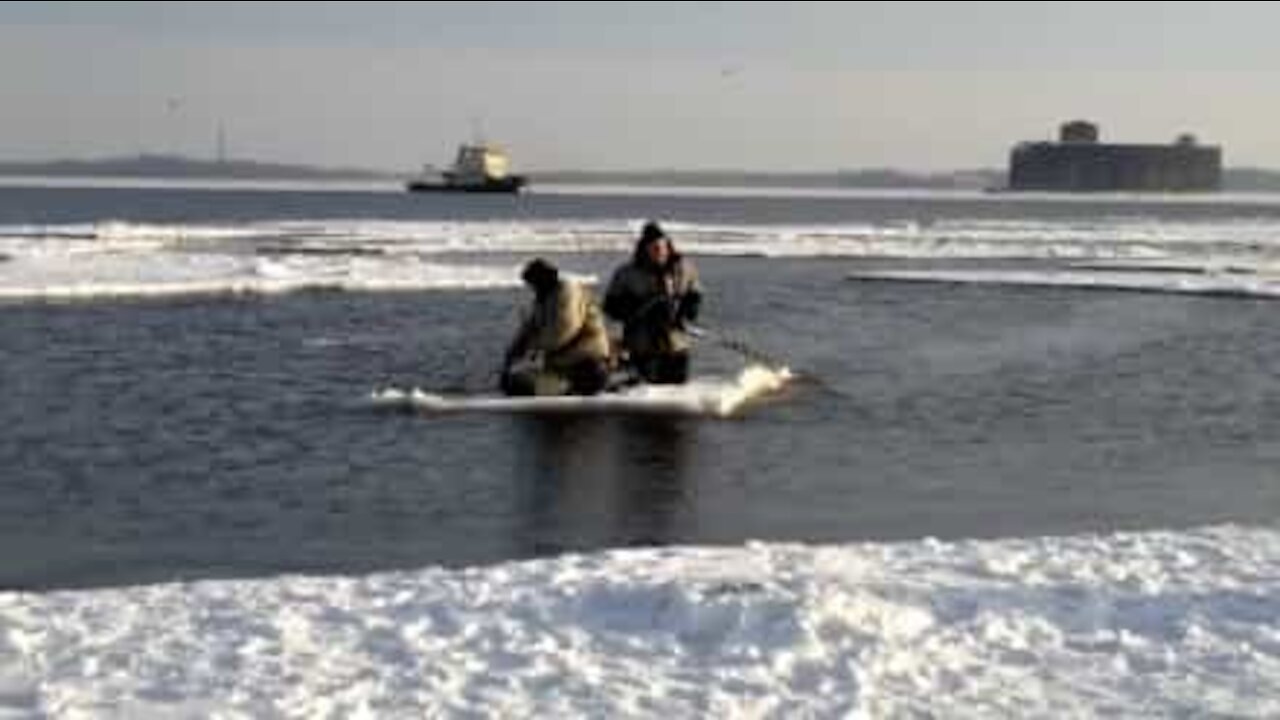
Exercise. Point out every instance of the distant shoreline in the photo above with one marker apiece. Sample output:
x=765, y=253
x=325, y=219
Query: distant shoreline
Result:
x=181, y=168
x=164, y=167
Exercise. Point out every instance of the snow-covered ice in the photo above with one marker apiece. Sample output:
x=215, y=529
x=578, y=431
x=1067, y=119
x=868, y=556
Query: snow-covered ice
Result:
x=113, y=258
x=702, y=396
x=1159, y=624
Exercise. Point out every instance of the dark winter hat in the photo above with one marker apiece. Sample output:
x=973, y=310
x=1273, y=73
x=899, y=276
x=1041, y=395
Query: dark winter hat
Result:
x=651, y=231
x=540, y=273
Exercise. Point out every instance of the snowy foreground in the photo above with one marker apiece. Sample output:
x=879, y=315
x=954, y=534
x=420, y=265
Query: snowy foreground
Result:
x=1140, y=625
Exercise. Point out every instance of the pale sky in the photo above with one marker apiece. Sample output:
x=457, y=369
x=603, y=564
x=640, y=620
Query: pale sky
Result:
x=791, y=86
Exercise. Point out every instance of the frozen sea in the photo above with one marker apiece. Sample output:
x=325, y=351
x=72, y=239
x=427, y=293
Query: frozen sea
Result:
x=1026, y=466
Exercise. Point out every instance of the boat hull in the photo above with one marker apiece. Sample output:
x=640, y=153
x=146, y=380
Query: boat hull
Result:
x=511, y=184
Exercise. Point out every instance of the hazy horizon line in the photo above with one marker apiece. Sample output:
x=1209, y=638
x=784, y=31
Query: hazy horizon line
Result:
x=196, y=160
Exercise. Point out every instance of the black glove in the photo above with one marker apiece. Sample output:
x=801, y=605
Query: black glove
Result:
x=661, y=312
x=689, y=306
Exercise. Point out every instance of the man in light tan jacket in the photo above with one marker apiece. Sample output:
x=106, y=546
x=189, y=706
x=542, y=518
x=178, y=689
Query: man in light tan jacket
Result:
x=562, y=346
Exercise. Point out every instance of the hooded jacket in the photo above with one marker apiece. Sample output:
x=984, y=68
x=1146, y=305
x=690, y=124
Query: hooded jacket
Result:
x=653, y=302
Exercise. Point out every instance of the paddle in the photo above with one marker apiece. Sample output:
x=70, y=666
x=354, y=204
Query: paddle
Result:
x=735, y=344
x=742, y=347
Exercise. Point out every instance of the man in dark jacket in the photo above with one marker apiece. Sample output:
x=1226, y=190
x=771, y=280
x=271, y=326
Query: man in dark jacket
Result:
x=564, y=332
x=653, y=296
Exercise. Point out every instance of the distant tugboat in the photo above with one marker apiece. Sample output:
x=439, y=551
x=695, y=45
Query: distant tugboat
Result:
x=477, y=169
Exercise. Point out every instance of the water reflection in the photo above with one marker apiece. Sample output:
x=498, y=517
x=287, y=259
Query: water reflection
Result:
x=591, y=482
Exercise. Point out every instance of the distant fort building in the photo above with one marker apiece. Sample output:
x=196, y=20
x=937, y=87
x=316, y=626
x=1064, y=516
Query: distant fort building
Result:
x=1080, y=163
